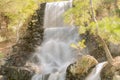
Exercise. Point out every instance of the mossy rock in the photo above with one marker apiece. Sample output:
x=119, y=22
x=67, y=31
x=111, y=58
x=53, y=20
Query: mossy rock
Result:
x=80, y=69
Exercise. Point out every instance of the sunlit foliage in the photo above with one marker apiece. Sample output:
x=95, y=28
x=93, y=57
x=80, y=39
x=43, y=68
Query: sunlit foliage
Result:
x=17, y=13
x=79, y=46
x=80, y=14
x=105, y=12
x=109, y=28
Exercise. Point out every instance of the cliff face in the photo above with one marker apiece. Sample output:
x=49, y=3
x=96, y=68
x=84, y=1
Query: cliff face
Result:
x=24, y=48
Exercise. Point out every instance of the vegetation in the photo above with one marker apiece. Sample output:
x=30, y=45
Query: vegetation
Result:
x=14, y=17
x=100, y=17
x=83, y=65
x=13, y=14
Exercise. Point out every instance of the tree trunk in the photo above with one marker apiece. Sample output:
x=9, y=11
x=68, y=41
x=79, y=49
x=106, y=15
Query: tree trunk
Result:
x=107, y=51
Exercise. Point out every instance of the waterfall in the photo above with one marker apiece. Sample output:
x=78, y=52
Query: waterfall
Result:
x=95, y=74
x=54, y=55
x=54, y=14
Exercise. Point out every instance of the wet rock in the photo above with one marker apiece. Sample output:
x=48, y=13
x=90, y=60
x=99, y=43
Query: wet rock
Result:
x=16, y=73
x=95, y=49
x=111, y=72
x=80, y=69
x=93, y=46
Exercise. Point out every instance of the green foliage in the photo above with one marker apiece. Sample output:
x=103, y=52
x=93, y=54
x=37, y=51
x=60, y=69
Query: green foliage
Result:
x=108, y=25
x=22, y=10
x=109, y=28
x=79, y=13
x=80, y=45
x=17, y=11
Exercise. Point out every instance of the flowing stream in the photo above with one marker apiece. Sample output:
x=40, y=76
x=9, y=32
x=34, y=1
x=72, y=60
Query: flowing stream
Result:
x=55, y=54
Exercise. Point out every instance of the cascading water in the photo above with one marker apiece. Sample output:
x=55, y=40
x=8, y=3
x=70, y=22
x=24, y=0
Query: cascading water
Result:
x=55, y=54
x=54, y=14
x=95, y=74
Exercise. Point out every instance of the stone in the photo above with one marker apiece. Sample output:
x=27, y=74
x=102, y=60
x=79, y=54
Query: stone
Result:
x=80, y=69
x=110, y=72
x=116, y=77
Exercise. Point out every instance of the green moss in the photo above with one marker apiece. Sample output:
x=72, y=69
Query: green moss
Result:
x=83, y=65
x=1, y=55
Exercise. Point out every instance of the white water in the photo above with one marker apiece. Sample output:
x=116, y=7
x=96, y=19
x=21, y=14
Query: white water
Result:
x=95, y=74
x=55, y=54
x=54, y=14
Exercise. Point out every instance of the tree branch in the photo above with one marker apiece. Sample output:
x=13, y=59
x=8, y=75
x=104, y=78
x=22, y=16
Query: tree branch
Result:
x=107, y=51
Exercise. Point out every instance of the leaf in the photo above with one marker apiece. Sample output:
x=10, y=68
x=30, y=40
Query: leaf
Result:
x=74, y=46
x=82, y=30
x=82, y=44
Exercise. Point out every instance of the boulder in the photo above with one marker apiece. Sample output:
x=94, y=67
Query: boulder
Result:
x=80, y=69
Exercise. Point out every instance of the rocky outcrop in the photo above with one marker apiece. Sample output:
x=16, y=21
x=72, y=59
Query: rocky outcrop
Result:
x=81, y=68
x=111, y=72
x=24, y=48
x=95, y=48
